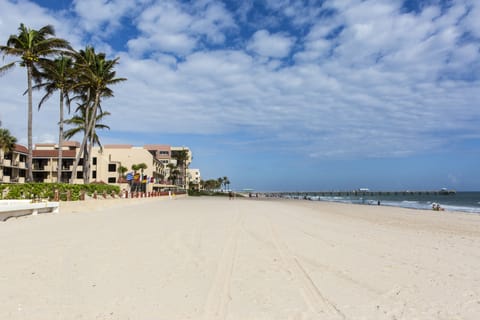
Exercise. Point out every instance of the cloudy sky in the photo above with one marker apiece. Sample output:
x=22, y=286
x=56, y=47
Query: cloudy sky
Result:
x=280, y=94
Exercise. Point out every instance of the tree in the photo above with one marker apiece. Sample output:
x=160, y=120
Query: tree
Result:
x=226, y=182
x=142, y=166
x=173, y=172
x=94, y=74
x=79, y=122
x=32, y=47
x=121, y=173
x=182, y=156
x=58, y=76
x=7, y=141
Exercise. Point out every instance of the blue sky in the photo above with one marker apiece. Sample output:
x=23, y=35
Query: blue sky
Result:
x=280, y=94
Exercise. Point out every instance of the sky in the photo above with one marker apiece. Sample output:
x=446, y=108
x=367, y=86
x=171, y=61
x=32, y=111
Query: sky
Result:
x=278, y=94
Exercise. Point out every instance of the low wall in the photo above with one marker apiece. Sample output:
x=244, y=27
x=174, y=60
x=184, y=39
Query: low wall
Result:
x=18, y=208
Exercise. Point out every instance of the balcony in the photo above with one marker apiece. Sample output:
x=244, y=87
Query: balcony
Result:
x=6, y=179
x=17, y=180
x=6, y=162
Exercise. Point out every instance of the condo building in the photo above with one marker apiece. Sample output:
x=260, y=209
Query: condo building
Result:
x=13, y=165
x=162, y=165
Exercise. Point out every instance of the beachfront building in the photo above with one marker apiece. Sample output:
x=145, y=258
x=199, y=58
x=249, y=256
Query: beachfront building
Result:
x=45, y=162
x=194, y=178
x=113, y=164
x=107, y=161
x=13, y=165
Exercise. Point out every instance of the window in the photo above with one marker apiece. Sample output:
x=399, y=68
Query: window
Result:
x=79, y=175
x=112, y=167
x=94, y=161
x=94, y=174
x=112, y=180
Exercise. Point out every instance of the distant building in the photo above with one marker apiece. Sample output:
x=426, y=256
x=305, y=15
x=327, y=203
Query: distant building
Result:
x=194, y=178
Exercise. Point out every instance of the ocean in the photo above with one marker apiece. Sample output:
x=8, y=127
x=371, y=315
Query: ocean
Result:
x=459, y=201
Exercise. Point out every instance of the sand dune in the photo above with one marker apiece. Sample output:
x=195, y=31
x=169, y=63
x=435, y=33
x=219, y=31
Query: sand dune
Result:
x=210, y=258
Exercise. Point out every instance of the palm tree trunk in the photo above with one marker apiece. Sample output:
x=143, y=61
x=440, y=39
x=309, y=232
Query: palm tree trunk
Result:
x=60, y=140
x=86, y=157
x=88, y=129
x=29, y=126
x=87, y=160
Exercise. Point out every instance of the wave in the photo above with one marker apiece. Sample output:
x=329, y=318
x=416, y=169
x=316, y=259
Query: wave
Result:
x=410, y=204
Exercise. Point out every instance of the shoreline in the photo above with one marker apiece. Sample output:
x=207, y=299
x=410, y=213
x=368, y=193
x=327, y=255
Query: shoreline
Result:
x=215, y=258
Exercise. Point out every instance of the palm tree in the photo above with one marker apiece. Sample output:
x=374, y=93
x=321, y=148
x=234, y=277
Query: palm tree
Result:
x=32, y=47
x=95, y=73
x=79, y=121
x=226, y=182
x=173, y=172
x=7, y=141
x=58, y=76
x=121, y=173
x=182, y=156
x=142, y=166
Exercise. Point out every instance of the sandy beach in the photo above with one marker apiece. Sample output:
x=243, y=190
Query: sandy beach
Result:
x=248, y=259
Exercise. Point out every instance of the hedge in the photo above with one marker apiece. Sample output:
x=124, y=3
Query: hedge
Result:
x=47, y=190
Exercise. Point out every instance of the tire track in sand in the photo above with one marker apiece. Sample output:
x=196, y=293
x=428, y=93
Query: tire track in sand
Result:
x=219, y=295
x=316, y=301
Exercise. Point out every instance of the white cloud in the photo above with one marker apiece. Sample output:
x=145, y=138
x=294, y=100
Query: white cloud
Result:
x=94, y=14
x=271, y=45
x=389, y=84
x=172, y=27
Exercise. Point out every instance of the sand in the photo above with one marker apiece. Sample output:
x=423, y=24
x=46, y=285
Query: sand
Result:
x=214, y=258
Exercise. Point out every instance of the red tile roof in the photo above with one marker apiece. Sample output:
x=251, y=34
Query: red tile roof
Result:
x=53, y=154
x=20, y=149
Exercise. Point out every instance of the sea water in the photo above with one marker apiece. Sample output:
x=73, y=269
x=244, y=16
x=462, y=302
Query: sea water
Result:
x=459, y=201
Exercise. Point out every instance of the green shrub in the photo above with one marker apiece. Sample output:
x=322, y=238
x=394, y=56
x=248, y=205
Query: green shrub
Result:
x=47, y=190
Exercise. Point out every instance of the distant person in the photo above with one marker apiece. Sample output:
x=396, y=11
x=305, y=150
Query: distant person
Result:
x=378, y=202
x=230, y=195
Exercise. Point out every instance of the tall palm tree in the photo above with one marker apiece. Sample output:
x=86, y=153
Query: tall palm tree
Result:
x=80, y=123
x=95, y=73
x=58, y=76
x=32, y=47
x=182, y=157
x=173, y=172
x=7, y=141
x=226, y=182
